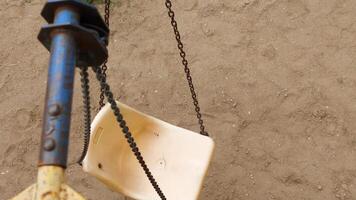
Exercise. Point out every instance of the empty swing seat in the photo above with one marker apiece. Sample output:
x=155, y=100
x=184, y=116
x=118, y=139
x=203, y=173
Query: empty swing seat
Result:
x=178, y=158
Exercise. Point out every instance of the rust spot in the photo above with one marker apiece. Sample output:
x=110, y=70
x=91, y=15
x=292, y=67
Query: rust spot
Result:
x=49, y=195
x=63, y=193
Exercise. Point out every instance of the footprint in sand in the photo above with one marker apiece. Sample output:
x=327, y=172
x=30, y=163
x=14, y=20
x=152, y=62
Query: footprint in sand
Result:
x=26, y=119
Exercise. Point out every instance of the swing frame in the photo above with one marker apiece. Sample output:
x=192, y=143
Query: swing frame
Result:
x=70, y=45
x=76, y=36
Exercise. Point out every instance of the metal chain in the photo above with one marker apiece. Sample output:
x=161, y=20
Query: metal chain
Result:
x=104, y=67
x=105, y=91
x=186, y=67
x=87, y=115
x=85, y=93
x=125, y=130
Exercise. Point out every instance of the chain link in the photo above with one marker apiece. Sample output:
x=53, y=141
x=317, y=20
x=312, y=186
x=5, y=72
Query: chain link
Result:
x=104, y=67
x=186, y=67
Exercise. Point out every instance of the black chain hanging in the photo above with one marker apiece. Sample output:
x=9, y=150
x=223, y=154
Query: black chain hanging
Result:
x=104, y=67
x=126, y=131
x=186, y=67
x=105, y=91
x=85, y=92
x=87, y=114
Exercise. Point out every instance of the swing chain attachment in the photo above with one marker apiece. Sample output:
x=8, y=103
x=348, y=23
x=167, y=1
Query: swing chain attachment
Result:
x=90, y=32
x=186, y=67
x=85, y=91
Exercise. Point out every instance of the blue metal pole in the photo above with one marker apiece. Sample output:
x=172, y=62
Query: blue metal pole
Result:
x=58, y=106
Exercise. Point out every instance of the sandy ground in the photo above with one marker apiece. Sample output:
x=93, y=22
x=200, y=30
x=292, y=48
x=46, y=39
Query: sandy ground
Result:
x=276, y=81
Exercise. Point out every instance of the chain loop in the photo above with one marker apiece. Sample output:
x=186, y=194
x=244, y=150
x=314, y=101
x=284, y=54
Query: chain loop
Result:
x=186, y=67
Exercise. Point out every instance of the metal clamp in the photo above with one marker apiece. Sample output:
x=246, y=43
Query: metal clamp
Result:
x=91, y=33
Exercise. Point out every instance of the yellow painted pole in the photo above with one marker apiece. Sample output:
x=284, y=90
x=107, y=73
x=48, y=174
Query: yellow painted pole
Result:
x=50, y=186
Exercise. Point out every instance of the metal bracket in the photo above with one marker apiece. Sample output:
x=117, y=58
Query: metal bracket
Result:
x=89, y=13
x=91, y=34
x=91, y=50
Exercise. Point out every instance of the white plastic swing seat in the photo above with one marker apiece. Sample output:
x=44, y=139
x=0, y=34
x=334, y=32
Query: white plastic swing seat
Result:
x=178, y=158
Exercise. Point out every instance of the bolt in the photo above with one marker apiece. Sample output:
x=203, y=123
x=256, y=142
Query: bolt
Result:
x=49, y=144
x=54, y=110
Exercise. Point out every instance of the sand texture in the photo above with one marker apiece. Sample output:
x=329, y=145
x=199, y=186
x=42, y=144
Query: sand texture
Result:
x=276, y=81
